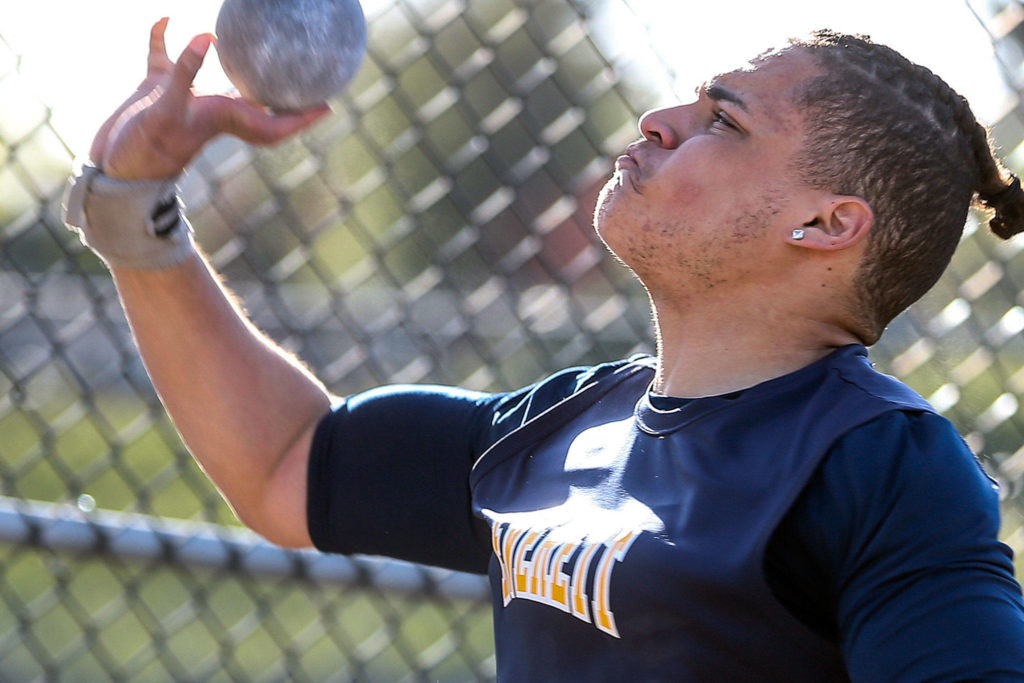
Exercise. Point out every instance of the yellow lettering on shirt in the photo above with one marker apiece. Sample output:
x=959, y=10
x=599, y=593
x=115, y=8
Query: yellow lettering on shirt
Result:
x=520, y=566
x=579, y=582
x=559, y=581
x=537, y=565
x=503, y=548
x=604, y=619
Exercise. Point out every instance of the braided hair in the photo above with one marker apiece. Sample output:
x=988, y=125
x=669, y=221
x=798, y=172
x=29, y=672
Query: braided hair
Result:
x=883, y=128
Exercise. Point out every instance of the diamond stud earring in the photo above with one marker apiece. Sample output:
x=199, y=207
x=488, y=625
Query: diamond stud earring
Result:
x=798, y=234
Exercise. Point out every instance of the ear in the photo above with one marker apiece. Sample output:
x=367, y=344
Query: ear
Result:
x=841, y=222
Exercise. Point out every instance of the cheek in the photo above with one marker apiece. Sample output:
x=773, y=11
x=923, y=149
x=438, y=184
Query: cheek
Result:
x=698, y=184
x=753, y=219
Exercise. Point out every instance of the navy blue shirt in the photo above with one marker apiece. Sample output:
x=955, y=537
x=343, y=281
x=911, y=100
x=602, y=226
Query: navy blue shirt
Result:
x=885, y=550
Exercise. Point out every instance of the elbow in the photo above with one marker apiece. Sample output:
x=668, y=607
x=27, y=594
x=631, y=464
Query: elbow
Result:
x=289, y=542
x=290, y=534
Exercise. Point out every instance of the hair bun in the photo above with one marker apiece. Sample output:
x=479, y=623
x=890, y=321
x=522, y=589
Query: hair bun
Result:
x=1008, y=204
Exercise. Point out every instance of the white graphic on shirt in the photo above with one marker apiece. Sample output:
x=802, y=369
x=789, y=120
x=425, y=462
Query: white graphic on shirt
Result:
x=547, y=555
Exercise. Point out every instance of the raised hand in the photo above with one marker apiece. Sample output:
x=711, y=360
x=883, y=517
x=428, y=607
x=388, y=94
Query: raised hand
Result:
x=157, y=131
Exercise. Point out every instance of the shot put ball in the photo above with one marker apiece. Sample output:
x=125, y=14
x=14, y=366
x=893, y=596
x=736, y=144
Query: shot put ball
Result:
x=290, y=55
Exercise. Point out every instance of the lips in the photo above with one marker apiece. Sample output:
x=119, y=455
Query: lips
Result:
x=628, y=158
x=625, y=162
x=631, y=157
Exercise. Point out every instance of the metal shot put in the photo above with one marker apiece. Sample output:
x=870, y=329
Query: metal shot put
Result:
x=290, y=55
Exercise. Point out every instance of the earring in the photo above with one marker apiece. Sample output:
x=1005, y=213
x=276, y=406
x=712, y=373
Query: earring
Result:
x=798, y=234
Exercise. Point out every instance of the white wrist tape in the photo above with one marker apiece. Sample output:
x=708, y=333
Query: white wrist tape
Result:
x=128, y=223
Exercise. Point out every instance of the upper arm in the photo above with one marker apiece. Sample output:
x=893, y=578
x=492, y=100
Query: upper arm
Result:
x=924, y=588
x=388, y=470
x=401, y=442
x=388, y=474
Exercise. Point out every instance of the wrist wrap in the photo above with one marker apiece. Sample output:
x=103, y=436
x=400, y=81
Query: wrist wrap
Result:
x=128, y=223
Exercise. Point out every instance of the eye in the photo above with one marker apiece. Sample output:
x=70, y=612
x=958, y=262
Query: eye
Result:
x=720, y=118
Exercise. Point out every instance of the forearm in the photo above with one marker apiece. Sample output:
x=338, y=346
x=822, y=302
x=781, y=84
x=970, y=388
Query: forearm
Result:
x=246, y=409
x=240, y=403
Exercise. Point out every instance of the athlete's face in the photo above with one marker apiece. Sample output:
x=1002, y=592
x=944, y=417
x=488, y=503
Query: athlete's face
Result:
x=705, y=195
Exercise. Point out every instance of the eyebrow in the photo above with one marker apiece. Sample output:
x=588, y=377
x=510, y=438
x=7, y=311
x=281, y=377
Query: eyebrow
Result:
x=716, y=91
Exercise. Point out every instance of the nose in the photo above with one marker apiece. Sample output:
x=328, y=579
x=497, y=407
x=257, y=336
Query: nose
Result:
x=661, y=126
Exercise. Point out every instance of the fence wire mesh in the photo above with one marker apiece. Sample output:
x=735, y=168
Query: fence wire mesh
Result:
x=436, y=229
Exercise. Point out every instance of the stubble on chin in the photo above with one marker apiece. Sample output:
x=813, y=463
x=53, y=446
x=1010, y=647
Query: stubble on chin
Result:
x=651, y=248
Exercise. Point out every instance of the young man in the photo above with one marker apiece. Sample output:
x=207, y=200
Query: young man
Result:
x=756, y=503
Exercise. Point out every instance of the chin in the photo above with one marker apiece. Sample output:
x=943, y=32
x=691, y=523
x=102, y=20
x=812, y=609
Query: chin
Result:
x=607, y=202
x=609, y=221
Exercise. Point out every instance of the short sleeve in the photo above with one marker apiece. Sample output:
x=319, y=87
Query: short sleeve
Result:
x=389, y=468
x=905, y=523
x=389, y=472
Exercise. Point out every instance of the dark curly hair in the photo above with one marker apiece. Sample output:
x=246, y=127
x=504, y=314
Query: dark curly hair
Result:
x=892, y=132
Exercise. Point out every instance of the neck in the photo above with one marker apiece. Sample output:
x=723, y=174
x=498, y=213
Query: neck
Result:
x=717, y=349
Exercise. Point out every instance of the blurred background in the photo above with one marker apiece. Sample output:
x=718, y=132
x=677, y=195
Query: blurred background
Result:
x=435, y=228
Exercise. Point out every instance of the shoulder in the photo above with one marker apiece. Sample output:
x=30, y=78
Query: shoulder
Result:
x=844, y=398
x=851, y=367
x=913, y=461
x=900, y=496
x=480, y=417
x=906, y=524
x=513, y=409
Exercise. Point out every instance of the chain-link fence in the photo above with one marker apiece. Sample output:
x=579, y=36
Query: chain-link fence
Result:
x=436, y=228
